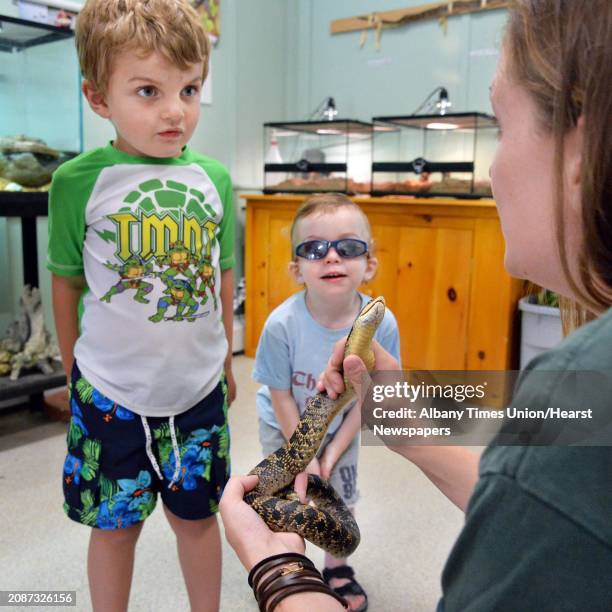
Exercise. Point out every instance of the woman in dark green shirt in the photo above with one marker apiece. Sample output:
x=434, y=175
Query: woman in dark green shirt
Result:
x=538, y=530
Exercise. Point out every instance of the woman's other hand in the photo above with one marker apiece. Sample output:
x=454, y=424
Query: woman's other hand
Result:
x=331, y=380
x=245, y=530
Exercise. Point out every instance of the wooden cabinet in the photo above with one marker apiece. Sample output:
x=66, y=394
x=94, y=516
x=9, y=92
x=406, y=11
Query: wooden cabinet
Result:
x=440, y=271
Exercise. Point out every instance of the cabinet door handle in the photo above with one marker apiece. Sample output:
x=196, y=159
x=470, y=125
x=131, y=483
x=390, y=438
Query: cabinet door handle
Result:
x=452, y=294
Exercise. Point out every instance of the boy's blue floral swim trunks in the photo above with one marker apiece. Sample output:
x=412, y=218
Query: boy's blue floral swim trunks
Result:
x=118, y=461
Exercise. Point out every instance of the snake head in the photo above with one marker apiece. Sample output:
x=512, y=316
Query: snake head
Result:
x=363, y=330
x=373, y=312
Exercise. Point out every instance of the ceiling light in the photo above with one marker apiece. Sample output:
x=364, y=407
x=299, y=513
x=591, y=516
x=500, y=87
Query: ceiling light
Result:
x=441, y=126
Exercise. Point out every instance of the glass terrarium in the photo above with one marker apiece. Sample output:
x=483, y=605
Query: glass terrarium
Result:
x=40, y=102
x=40, y=127
x=433, y=155
x=315, y=156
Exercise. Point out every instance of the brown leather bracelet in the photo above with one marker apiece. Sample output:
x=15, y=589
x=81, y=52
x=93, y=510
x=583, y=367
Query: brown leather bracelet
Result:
x=278, y=569
x=304, y=588
x=283, y=576
x=270, y=563
x=284, y=584
x=279, y=576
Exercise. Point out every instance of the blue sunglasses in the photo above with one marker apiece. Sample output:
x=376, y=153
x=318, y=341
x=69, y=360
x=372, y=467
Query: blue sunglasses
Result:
x=347, y=248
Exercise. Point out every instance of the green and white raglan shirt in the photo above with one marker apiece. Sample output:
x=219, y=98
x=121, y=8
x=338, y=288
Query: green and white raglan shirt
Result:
x=151, y=236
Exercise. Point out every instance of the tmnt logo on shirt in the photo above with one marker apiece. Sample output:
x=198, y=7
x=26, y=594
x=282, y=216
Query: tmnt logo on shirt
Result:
x=166, y=234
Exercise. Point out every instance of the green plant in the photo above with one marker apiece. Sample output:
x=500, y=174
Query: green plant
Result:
x=540, y=296
x=545, y=297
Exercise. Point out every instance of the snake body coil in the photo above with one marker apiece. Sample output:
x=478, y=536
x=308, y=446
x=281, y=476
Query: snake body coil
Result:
x=326, y=522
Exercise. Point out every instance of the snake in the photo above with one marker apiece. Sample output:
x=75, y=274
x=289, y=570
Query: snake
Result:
x=326, y=521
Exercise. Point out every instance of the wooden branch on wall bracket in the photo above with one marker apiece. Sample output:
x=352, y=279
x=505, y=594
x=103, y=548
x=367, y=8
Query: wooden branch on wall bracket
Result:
x=397, y=17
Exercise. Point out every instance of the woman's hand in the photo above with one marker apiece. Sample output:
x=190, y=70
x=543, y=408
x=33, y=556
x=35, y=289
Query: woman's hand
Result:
x=246, y=532
x=331, y=380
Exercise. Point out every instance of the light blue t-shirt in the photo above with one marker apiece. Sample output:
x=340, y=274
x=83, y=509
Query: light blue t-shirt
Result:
x=294, y=349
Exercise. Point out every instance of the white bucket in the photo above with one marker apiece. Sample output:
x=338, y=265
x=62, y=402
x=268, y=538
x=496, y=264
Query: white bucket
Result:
x=540, y=329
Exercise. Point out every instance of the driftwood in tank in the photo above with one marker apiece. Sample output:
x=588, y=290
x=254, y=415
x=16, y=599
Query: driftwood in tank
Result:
x=27, y=343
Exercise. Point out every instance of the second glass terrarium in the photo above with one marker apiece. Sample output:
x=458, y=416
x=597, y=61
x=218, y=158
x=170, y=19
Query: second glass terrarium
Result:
x=40, y=103
x=433, y=155
x=314, y=156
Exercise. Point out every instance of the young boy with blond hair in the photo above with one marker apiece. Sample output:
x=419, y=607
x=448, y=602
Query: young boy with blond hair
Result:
x=332, y=256
x=145, y=225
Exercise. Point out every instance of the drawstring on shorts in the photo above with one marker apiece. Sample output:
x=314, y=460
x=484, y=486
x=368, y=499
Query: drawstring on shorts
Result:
x=177, y=456
x=175, y=449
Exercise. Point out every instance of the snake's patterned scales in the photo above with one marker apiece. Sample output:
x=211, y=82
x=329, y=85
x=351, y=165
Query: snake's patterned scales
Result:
x=328, y=523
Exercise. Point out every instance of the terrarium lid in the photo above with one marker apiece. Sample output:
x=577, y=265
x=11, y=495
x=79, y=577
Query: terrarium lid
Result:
x=454, y=121
x=16, y=33
x=336, y=126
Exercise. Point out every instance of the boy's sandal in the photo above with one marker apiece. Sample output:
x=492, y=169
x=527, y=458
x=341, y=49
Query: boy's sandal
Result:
x=350, y=588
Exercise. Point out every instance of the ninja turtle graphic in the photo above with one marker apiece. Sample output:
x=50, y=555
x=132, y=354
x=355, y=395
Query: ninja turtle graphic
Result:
x=179, y=291
x=132, y=273
x=206, y=273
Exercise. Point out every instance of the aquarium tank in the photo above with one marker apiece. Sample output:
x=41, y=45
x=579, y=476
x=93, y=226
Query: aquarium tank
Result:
x=317, y=156
x=40, y=127
x=433, y=155
x=40, y=102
